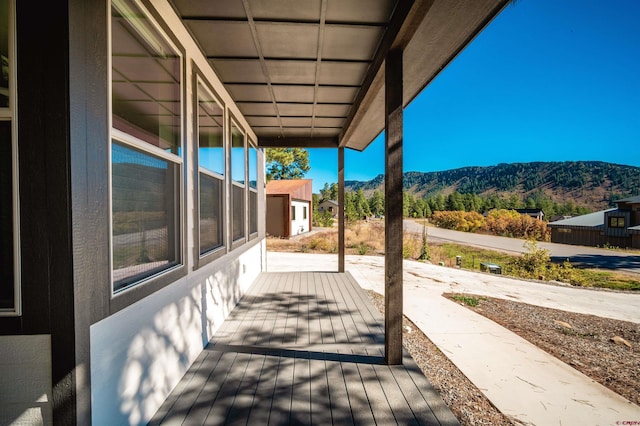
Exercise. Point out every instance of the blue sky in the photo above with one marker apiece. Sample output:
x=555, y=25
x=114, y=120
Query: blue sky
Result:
x=547, y=80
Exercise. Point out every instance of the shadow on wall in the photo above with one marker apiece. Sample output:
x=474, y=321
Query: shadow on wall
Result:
x=139, y=354
x=25, y=368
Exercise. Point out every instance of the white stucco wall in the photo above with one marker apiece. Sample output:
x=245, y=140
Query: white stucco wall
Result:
x=139, y=354
x=301, y=224
x=25, y=380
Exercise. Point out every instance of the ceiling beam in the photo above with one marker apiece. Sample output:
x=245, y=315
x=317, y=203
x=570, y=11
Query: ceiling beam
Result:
x=406, y=18
x=297, y=142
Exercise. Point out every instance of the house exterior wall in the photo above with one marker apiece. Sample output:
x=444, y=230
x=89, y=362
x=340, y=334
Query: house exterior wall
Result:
x=69, y=356
x=25, y=380
x=278, y=216
x=328, y=206
x=585, y=237
x=301, y=224
x=139, y=354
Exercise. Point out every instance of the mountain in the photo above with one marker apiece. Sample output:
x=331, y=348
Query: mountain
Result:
x=589, y=183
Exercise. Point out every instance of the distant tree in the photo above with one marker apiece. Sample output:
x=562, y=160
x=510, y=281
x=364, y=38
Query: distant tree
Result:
x=454, y=202
x=408, y=200
x=350, y=209
x=329, y=192
x=376, y=203
x=287, y=163
x=315, y=214
x=361, y=205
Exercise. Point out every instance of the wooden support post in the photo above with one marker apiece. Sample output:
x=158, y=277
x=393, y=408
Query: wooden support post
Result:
x=340, y=209
x=393, y=208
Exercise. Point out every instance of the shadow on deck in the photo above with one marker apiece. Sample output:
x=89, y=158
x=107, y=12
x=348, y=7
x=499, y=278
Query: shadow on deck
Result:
x=302, y=348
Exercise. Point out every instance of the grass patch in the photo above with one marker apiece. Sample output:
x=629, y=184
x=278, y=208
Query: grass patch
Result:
x=471, y=256
x=367, y=238
x=466, y=300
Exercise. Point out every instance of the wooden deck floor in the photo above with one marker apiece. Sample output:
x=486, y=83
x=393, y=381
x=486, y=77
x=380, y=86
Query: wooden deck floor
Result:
x=302, y=348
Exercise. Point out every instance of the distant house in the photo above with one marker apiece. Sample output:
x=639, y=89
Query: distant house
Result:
x=616, y=227
x=534, y=213
x=289, y=207
x=329, y=206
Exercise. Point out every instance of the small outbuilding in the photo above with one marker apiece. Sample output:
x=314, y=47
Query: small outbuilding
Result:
x=330, y=206
x=534, y=213
x=289, y=207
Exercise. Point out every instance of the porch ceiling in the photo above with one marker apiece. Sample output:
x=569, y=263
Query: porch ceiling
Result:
x=310, y=73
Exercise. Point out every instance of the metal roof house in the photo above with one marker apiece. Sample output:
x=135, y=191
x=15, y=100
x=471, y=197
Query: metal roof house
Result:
x=618, y=227
x=289, y=205
x=132, y=184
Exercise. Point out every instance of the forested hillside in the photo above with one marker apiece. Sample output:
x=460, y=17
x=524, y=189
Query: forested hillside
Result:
x=591, y=184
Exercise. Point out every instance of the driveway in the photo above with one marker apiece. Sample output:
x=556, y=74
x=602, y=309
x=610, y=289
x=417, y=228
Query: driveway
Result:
x=578, y=255
x=433, y=280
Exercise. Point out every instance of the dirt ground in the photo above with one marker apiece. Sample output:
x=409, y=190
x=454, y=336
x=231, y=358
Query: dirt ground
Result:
x=606, y=350
x=466, y=402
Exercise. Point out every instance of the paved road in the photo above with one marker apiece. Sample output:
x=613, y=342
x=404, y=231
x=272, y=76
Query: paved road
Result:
x=578, y=255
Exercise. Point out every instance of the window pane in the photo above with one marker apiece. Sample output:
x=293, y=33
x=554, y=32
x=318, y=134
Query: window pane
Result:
x=253, y=212
x=238, y=212
x=237, y=155
x=146, y=79
x=145, y=207
x=4, y=53
x=210, y=132
x=210, y=213
x=253, y=167
x=6, y=218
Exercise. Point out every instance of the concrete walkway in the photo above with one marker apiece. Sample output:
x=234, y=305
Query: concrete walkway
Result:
x=524, y=382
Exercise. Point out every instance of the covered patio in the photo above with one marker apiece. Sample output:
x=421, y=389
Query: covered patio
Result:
x=135, y=198
x=336, y=74
x=302, y=348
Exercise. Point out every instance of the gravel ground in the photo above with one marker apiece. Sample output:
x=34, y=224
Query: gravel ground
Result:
x=606, y=350
x=466, y=402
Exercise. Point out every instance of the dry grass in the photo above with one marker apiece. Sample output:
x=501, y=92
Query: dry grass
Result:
x=363, y=238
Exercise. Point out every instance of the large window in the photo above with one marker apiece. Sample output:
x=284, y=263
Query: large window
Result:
x=146, y=149
x=211, y=159
x=253, y=189
x=9, y=287
x=238, y=178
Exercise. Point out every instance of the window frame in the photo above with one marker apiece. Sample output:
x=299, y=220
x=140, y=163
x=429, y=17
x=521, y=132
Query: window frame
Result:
x=10, y=114
x=237, y=242
x=200, y=258
x=148, y=284
x=252, y=191
x=617, y=220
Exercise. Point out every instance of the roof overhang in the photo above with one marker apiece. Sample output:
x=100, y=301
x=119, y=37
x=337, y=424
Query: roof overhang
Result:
x=313, y=76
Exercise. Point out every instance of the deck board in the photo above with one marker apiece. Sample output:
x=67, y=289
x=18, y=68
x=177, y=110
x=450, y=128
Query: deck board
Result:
x=302, y=348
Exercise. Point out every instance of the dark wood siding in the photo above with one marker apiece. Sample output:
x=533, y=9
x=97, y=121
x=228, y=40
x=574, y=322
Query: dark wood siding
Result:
x=585, y=237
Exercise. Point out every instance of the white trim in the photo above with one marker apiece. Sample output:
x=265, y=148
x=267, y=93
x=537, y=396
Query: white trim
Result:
x=209, y=173
x=141, y=145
